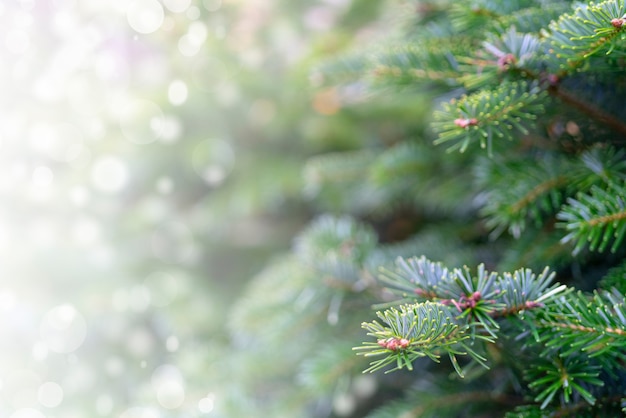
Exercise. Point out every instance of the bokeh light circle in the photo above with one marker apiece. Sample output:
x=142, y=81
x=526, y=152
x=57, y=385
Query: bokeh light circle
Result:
x=213, y=160
x=177, y=92
x=27, y=413
x=50, y=394
x=168, y=384
x=164, y=288
x=145, y=16
x=62, y=142
x=109, y=174
x=177, y=6
x=141, y=121
x=63, y=329
x=138, y=412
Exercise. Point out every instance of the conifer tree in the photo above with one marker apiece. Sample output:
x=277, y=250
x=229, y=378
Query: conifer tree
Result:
x=469, y=249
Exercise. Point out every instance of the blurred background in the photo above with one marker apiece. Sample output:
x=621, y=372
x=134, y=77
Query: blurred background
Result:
x=151, y=156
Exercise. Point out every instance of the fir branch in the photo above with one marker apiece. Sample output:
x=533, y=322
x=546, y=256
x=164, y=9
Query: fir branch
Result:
x=564, y=376
x=590, y=30
x=414, y=331
x=596, y=218
x=603, y=165
x=486, y=115
x=578, y=324
x=518, y=192
x=511, y=53
x=430, y=60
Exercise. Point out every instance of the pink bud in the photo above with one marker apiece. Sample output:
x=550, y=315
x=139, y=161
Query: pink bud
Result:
x=465, y=123
x=618, y=22
x=392, y=344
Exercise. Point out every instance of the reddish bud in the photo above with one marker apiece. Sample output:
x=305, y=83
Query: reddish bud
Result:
x=404, y=343
x=476, y=295
x=392, y=344
x=465, y=123
x=382, y=343
x=505, y=61
x=618, y=22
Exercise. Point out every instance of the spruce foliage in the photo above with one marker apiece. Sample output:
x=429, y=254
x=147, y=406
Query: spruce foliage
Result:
x=487, y=232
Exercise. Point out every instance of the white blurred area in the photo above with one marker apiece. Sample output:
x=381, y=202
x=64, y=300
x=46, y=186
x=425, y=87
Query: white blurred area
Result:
x=112, y=141
x=86, y=87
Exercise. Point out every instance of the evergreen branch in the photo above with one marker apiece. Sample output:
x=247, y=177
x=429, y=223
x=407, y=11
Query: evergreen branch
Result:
x=419, y=277
x=596, y=326
x=336, y=246
x=486, y=115
x=564, y=376
x=590, y=30
x=438, y=404
x=615, y=279
x=524, y=290
x=518, y=192
x=327, y=366
x=512, y=53
x=596, y=218
x=430, y=60
x=603, y=165
x=413, y=331
x=345, y=166
x=533, y=19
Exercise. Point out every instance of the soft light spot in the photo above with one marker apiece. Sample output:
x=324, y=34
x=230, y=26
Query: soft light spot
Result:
x=8, y=300
x=213, y=160
x=167, y=382
x=164, y=288
x=209, y=73
x=187, y=46
x=104, y=405
x=27, y=413
x=364, y=386
x=344, y=404
x=212, y=5
x=172, y=343
x=42, y=176
x=207, y=404
x=170, y=395
x=327, y=102
x=174, y=242
x=63, y=329
x=114, y=366
x=40, y=351
x=145, y=16
x=190, y=43
x=17, y=41
x=177, y=6
x=62, y=142
x=138, y=412
x=262, y=112
x=172, y=130
x=177, y=92
x=141, y=121
x=50, y=394
x=193, y=13
x=85, y=231
x=140, y=342
x=139, y=298
x=165, y=185
x=109, y=174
